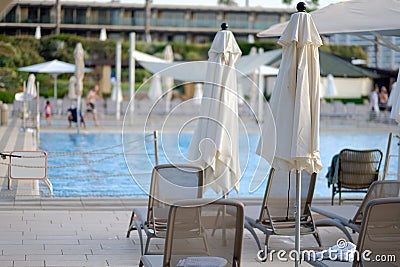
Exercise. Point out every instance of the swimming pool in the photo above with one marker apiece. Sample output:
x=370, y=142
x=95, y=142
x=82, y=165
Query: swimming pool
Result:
x=93, y=164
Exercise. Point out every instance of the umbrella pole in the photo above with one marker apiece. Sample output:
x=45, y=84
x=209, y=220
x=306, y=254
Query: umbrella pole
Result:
x=118, y=51
x=55, y=86
x=297, y=216
x=37, y=115
x=78, y=112
x=132, y=39
x=24, y=107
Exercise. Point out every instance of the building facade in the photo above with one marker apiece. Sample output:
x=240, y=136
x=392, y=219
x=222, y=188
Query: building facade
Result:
x=168, y=22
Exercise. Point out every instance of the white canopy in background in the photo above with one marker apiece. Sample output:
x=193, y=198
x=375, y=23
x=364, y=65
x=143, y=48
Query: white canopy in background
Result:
x=378, y=17
x=196, y=72
x=140, y=56
x=215, y=141
x=54, y=67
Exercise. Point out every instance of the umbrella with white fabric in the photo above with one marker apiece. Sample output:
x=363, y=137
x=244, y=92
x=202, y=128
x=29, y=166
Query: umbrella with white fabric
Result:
x=198, y=93
x=295, y=105
x=330, y=90
x=116, y=93
x=54, y=68
x=394, y=100
x=215, y=141
x=155, y=90
x=79, y=74
x=168, y=82
x=71, y=88
x=29, y=92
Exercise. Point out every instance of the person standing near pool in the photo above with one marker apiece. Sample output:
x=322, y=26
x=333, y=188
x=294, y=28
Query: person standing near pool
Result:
x=374, y=103
x=48, y=110
x=91, y=99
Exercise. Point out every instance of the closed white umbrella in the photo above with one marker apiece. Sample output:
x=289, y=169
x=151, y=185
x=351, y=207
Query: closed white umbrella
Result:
x=155, y=90
x=198, y=93
x=71, y=88
x=215, y=142
x=394, y=100
x=31, y=86
x=29, y=90
x=330, y=90
x=253, y=89
x=168, y=82
x=38, y=34
x=116, y=93
x=103, y=34
x=295, y=105
x=79, y=74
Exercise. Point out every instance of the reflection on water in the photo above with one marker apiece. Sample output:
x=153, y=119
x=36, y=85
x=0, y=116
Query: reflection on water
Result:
x=89, y=165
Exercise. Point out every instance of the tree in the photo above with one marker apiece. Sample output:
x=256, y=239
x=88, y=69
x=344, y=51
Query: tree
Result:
x=147, y=22
x=227, y=2
x=311, y=3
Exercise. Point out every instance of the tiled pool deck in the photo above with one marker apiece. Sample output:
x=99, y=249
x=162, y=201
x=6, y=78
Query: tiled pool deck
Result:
x=43, y=231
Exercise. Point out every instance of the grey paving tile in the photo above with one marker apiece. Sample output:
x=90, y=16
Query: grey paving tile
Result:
x=57, y=258
x=7, y=263
x=4, y=258
x=38, y=263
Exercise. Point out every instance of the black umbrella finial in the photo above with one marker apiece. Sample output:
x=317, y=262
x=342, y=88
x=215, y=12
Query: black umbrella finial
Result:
x=224, y=26
x=301, y=7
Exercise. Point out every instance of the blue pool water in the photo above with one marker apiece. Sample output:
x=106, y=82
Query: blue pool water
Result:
x=94, y=165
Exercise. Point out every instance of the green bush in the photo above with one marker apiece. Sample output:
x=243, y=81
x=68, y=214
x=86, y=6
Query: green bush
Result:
x=7, y=97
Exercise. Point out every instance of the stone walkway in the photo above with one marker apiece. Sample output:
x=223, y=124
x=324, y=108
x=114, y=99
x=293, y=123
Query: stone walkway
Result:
x=90, y=232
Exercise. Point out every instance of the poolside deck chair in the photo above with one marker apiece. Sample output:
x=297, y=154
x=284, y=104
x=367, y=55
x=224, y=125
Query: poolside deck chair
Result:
x=275, y=215
x=357, y=170
x=169, y=183
x=351, y=215
x=379, y=234
x=224, y=235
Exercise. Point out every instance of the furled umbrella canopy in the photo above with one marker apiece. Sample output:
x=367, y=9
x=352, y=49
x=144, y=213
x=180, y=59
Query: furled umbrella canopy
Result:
x=79, y=74
x=79, y=68
x=155, y=90
x=394, y=100
x=330, y=90
x=71, y=87
x=168, y=82
x=215, y=142
x=29, y=90
x=116, y=93
x=31, y=86
x=295, y=99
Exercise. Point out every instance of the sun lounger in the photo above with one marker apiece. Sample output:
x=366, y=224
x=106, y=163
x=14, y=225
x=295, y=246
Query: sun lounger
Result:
x=355, y=171
x=223, y=235
x=169, y=183
x=275, y=215
x=350, y=215
x=379, y=237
